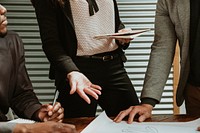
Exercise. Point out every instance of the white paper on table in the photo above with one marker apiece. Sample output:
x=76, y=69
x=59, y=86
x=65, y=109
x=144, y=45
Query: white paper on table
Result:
x=21, y=120
x=103, y=124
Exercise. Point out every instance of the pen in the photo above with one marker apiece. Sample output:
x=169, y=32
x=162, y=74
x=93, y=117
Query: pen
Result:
x=55, y=97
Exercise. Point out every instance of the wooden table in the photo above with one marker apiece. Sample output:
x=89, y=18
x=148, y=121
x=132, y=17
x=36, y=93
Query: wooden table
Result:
x=82, y=122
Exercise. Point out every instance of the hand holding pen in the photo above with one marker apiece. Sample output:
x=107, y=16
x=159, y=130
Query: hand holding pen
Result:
x=53, y=112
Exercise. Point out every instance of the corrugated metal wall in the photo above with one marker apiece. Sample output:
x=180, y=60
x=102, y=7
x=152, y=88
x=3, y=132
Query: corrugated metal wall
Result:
x=137, y=14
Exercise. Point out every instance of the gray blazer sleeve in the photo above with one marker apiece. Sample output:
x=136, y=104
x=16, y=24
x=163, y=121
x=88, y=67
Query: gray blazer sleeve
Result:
x=162, y=52
x=6, y=127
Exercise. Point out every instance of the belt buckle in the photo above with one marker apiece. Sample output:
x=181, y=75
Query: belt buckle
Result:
x=107, y=57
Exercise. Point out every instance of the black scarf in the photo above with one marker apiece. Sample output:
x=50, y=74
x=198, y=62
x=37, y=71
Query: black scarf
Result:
x=92, y=6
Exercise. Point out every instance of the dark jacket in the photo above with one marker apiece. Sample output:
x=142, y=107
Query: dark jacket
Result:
x=172, y=23
x=16, y=90
x=58, y=34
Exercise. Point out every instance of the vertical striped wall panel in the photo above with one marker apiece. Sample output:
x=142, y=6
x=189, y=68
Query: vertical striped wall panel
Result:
x=136, y=14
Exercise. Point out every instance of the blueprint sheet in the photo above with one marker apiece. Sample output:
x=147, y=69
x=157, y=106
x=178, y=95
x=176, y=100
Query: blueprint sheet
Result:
x=103, y=124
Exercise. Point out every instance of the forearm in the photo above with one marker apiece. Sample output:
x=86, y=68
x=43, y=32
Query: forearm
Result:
x=25, y=106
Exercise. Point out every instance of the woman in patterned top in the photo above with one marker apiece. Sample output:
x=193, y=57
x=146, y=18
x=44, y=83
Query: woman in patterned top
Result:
x=87, y=72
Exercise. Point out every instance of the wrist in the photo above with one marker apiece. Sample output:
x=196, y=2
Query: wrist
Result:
x=147, y=105
x=35, y=116
x=71, y=73
x=149, y=101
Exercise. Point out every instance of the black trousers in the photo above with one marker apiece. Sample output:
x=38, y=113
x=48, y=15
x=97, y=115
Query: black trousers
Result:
x=118, y=92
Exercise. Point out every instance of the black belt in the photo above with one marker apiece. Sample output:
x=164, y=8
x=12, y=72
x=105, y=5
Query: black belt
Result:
x=100, y=57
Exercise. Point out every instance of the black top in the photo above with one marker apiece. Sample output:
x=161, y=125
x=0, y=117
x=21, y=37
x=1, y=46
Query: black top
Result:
x=60, y=47
x=194, y=76
x=16, y=90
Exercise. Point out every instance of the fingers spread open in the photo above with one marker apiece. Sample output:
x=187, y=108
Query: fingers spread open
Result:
x=83, y=95
x=96, y=86
x=90, y=91
x=73, y=87
x=96, y=89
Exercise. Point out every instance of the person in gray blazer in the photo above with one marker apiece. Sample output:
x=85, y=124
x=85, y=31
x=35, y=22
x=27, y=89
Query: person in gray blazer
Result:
x=16, y=90
x=176, y=20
